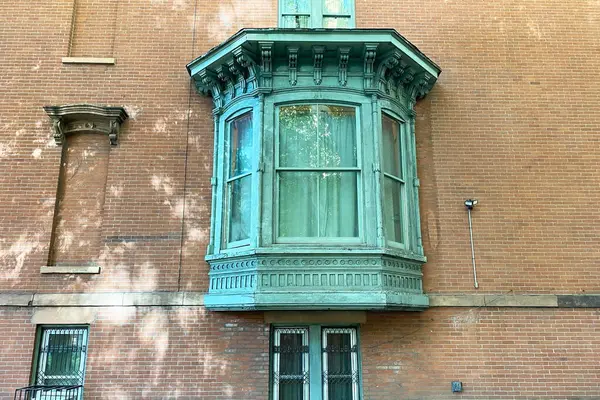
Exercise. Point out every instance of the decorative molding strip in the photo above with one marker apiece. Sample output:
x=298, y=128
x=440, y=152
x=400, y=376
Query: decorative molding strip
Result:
x=71, y=269
x=493, y=300
x=126, y=299
x=119, y=299
x=74, y=118
x=89, y=60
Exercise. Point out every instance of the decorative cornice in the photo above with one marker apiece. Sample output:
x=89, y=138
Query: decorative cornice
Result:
x=75, y=118
x=260, y=61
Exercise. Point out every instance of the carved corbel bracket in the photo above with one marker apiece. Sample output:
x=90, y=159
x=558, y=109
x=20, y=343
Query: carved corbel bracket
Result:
x=227, y=78
x=318, y=54
x=75, y=118
x=210, y=81
x=238, y=73
x=293, y=64
x=344, y=57
x=369, y=72
x=246, y=61
x=266, y=57
x=419, y=87
x=386, y=68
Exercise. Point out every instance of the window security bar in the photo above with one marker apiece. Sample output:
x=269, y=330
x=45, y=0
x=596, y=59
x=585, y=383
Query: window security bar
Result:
x=47, y=392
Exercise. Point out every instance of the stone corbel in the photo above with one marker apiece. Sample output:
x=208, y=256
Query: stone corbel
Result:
x=369, y=72
x=76, y=118
x=318, y=53
x=293, y=65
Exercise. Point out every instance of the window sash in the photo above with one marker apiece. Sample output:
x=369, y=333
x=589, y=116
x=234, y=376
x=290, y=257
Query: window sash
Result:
x=64, y=356
x=355, y=168
x=353, y=375
x=277, y=362
x=245, y=172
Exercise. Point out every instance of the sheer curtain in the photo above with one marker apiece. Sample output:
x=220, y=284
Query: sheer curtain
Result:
x=317, y=171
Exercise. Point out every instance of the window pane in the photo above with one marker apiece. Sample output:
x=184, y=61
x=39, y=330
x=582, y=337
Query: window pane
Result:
x=291, y=371
x=340, y=369
x=295, y=6
x=337, y=7
x=391, y=147
x=318, y=204
x=296, y=21
x=241, y=145
x=240, y=194
x=317, y=136
x=392, y=209
x=336, y=22
x=298, y=144
x=337, y=136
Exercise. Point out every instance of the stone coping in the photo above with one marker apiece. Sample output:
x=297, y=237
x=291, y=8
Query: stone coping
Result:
x=71, y=269
x=120, y=299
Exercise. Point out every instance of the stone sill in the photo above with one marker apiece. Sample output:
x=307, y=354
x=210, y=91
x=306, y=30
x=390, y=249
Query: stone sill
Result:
x=72, y=269
x=89, y=60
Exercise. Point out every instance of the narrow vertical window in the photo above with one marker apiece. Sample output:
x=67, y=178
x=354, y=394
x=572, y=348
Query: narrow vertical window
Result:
x=316, y=13
x=393, y=180
x=61, y=361
x=239, y=182
x=317, y=172
x=340, y=364
x=295, y=13
x=290, y=364
x=337, y=14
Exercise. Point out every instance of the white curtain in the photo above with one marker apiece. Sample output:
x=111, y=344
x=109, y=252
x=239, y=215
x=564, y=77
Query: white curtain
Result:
x=315, y=200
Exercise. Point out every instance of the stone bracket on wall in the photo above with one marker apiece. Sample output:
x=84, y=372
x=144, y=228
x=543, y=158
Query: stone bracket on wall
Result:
x=75, y=118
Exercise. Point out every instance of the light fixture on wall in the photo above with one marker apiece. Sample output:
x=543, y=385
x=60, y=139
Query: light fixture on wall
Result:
x=470, y=204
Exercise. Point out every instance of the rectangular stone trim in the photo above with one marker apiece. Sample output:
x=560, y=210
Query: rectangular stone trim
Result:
x=579, y=301
x=112, y=299
x=16, y=299
x=493, y=300
x=75, y=269
x=316, y=317
x=88, y=60
x=63, y=315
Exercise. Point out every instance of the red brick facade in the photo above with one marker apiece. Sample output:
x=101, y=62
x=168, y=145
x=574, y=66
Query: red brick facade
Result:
x=513, y=121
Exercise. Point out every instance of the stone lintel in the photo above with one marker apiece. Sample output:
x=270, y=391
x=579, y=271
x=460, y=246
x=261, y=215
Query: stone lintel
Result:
x=315, y=317
x=63, y=315
x=89, y=60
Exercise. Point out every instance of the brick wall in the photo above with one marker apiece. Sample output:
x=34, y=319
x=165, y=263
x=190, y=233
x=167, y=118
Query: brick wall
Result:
x=498, y=353
x=513, y=121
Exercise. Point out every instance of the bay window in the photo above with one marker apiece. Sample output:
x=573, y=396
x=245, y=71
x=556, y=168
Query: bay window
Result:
x=315, y=189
